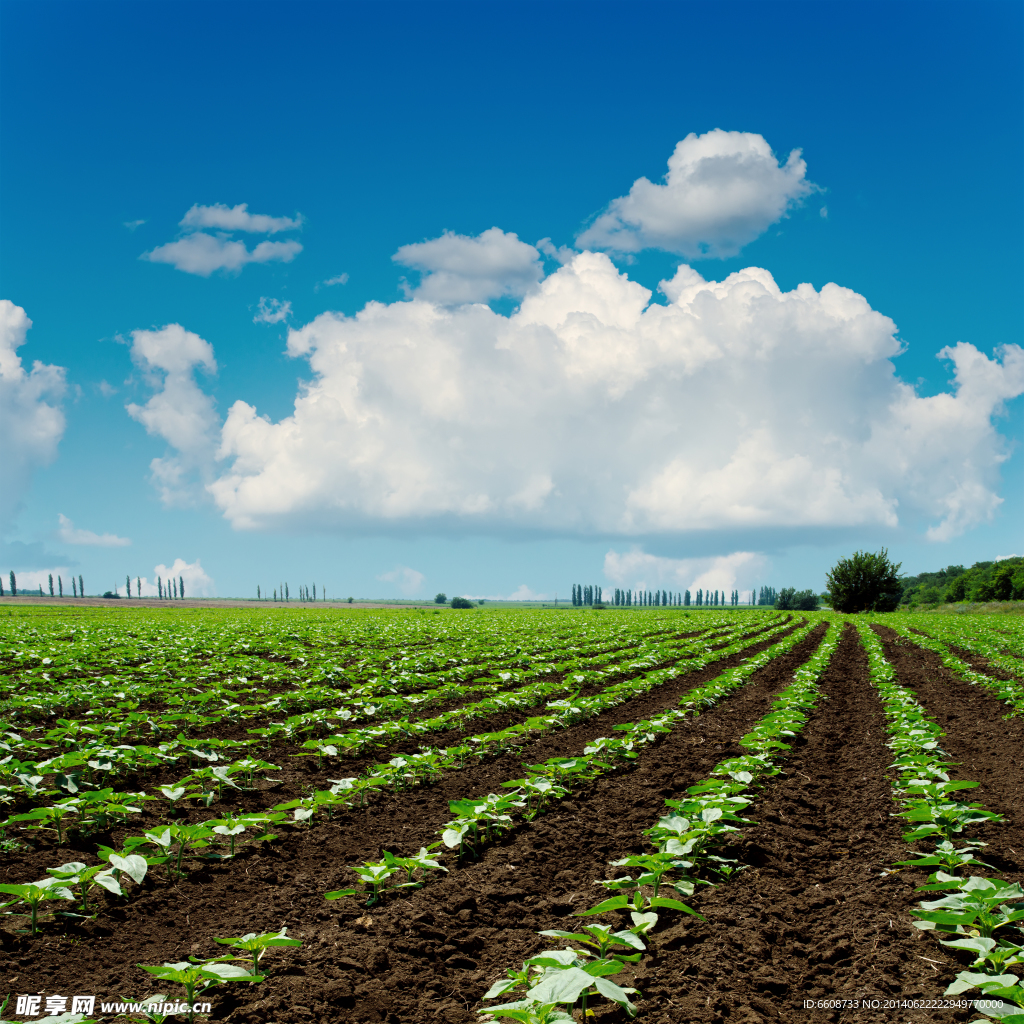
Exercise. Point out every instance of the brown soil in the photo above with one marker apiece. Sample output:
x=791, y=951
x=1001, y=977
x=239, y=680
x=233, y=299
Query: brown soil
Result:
x=813, y=917
x=301, y=775
x=987, y=746
x=425, y=958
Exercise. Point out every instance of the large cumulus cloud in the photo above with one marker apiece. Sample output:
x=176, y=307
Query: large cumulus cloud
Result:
x=31, y=417
x=594, y=410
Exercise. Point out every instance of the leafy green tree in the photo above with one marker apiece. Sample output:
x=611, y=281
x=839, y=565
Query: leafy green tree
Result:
x=866, y=581
x=81, y=586
x=14, y=584
x=461, y=602
x=441, y=598
x=791, y=599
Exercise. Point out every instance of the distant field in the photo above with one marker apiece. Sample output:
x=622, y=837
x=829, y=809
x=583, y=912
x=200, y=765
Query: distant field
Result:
x=243, y=761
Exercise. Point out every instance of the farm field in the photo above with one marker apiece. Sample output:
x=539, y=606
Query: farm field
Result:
x=212, y=774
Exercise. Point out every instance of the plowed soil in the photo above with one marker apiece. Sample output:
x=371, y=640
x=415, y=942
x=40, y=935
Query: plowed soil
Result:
x=817, y=913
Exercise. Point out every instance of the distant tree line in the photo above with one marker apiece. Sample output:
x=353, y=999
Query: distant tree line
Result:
x=1001, y=580
x=77, y=586
x=282, y=593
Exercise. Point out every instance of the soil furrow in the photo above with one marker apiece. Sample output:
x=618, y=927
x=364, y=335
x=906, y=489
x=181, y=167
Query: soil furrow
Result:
x=431, y=956
x=987, y=746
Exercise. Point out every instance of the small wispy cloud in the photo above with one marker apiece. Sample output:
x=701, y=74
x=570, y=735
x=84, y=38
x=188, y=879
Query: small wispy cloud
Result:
x=238, y=218
x=106, y=389
x=68, y=533
x=272, y=311
x=199, y=252
x=131, y=225
x=340, y=279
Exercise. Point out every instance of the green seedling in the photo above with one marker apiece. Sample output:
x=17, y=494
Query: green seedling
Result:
x=35, y=893
x=539, y=792
x=640, y=906
x=566, y=976
x=948, y=858
x=1005, y=988
x=943, y=819
x=653, y=865
x=374, y=876
x=531, y=1013
x=50, y=818
x=198, y=975
x=86, y=878
x=981, y=905
x=254, y=945
x=990, y=956
x=602, y=938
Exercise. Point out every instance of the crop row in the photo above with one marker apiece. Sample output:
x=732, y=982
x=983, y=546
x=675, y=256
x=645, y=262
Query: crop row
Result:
x=482, y=820
x=93, y=765
x=981, y=912
x=96, y=809
x=1009, y=691
x=684, y=842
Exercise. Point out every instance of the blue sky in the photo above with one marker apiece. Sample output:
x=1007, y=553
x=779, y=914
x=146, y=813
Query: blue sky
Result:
x=568, y=426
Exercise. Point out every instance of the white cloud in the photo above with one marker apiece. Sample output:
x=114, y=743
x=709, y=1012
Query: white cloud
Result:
x=30, y=580
x=238, y=218
x=458, y=268
x=272, y=311
x=197, y=583
x=408, y=580
x=202, y=254
x=182, y=414
x=106, y=389
x=340, y=279
x=638, y=570
x=31, y=419
x=1003, y=558
x=198, y=252
x=722, y=190
x=131, y=225
x=737, y=406
x=70, y=535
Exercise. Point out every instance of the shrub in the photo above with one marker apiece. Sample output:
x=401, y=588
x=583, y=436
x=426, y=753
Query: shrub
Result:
x=461, y=602
x=866, y=581
x=441, y=599
x=791, y=599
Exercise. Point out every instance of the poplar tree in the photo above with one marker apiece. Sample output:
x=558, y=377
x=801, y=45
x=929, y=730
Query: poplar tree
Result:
x=60, y=586
x=81, y=586
x=258, y=598
x=128, y=585
x=74, y=587
x=51, y=584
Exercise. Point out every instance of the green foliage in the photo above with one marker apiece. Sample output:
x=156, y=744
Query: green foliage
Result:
x=198, y=975
x=461, y=602
x=254, y=945
x=984, y=581
x=865, y=582
x=440, y=598
x=791, y=599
